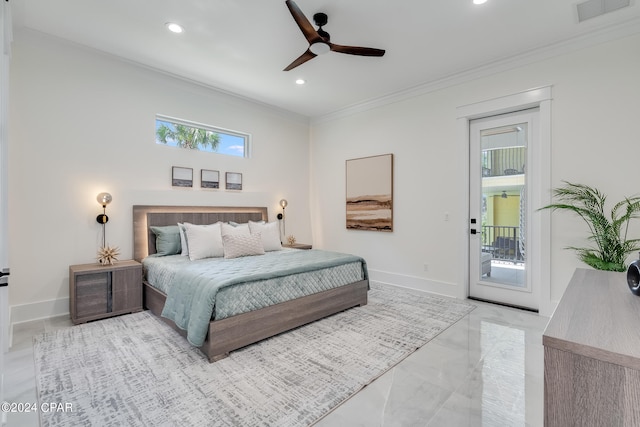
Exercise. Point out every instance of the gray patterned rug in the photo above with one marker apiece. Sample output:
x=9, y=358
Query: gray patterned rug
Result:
x=134, y=370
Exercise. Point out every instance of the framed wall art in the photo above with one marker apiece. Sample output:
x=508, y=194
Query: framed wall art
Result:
x=182, y=177
x=209, y=178
x=370, y=193
x=233, y=181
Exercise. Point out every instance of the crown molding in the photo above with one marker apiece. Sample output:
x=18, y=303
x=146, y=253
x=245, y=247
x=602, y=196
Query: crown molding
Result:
x=614, y=32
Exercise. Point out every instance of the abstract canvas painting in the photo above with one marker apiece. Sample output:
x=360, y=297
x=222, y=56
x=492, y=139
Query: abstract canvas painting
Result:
x=370, y=193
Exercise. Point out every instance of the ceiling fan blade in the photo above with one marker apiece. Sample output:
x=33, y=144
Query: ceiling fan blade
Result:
x=301, y=60
x=355, y=50
x=305, y=26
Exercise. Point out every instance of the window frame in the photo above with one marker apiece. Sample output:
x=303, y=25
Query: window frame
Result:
x=174, y=120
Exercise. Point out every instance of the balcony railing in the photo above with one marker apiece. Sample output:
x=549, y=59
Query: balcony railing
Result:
x=507, y=161
x=503, y=242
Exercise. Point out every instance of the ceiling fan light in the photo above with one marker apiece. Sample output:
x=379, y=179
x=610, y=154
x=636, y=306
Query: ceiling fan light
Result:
x=300, y=81
x=319, y=48
x=174, y=28
x=479, y=1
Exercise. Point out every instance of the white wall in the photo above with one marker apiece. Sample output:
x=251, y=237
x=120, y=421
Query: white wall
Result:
x=82, y=122
x=595, y=109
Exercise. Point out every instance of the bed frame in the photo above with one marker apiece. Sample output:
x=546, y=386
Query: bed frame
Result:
x=238, y=331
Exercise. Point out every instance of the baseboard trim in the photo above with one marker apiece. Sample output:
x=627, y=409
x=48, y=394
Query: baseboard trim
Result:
x=414, y=282
x=38, y=310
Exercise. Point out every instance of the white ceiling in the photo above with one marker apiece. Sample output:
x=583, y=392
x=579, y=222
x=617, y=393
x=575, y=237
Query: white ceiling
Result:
x=242, y=46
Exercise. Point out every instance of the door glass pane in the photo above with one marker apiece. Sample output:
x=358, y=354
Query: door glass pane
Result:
x=503, y=157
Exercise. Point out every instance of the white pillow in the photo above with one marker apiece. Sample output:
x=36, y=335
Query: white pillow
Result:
x=237, y=245
x=236, y=224
x=270, y=233
x=239, y=229
x=183, y=239
x=204, y=241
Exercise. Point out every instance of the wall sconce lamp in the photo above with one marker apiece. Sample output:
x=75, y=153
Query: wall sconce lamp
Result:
x=283, y=204
x=104, y=199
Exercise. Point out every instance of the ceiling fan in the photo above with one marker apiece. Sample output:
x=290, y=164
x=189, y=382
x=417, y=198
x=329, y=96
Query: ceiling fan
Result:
x=319, y=40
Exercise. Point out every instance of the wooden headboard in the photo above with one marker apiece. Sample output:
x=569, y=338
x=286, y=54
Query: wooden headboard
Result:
x=144, y=241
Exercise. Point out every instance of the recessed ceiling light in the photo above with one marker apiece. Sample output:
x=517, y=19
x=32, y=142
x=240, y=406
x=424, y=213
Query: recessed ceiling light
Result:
x=479, y=1
x=300, y=81
x=174, y=28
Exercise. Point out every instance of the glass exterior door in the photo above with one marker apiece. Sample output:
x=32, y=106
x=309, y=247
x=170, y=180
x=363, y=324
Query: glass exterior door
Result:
x=498, y=209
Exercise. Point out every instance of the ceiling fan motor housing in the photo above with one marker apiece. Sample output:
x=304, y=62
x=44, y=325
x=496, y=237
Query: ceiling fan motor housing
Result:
x=320, y=19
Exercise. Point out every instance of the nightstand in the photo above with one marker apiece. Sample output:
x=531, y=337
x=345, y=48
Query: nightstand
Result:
x=99, y=291
x=298, y=246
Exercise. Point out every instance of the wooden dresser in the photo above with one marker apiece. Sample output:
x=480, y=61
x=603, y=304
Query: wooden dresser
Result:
x=592, y=354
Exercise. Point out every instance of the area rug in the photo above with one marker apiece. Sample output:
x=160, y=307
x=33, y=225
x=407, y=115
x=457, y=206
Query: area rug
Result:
x=135, y=370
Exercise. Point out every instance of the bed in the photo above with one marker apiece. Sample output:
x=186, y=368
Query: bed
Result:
x=224, y=335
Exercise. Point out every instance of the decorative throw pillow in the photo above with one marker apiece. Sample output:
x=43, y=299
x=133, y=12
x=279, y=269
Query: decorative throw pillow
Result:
x=238, y=245
x=167, y=240
x=183, y=240
x=204, y=241
x=270, y=233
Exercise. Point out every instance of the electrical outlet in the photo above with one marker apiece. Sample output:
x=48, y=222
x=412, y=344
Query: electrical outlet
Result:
x=426, y=267
x=446, y=216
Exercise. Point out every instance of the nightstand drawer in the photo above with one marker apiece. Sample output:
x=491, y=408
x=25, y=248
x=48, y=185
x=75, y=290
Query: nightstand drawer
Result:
x=92, y=294
x=127, y=289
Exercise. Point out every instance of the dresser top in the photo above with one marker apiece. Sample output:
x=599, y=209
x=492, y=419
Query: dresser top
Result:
x=597, y=317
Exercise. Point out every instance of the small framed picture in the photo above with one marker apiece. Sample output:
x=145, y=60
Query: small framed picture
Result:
x=209, y=178
x=182, y=177
x=233, y=181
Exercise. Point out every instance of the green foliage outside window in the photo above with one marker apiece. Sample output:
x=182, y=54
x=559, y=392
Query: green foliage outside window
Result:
x=187, y=137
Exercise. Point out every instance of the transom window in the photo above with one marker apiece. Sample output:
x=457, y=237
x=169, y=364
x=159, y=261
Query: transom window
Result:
x=188, y=135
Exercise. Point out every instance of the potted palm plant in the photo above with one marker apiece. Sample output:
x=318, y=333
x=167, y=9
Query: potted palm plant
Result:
x=611, y=247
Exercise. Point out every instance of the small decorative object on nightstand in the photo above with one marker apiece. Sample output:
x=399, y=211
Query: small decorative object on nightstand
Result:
x=99, y=291
x=291, y=239
x=108, y=255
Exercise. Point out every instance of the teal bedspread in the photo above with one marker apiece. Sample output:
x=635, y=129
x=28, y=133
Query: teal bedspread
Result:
x=191, y=295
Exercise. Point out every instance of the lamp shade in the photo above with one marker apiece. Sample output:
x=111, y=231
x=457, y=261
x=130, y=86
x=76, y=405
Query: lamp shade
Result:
x=283, y=203
x=104, y=199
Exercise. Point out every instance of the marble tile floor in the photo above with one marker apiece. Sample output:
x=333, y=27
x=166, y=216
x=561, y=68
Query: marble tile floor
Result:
x=485, y=370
